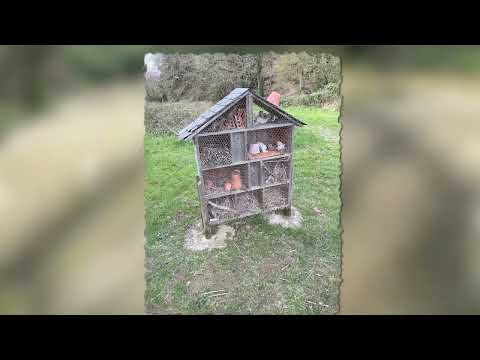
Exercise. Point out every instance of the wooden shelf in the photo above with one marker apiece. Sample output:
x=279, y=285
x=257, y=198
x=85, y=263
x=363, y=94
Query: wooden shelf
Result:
x=233, y=192
x=256, y=128
x=276, y=208
x=248, y=161
x=252, y=213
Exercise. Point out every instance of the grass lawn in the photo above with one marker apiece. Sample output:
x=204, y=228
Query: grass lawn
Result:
x=264, y=269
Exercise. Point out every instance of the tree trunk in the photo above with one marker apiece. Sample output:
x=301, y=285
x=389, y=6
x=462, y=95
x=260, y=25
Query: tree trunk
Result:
x=260, y=75
x=301, y=80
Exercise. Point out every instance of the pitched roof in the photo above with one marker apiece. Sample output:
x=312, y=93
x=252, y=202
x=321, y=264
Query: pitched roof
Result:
x=223, y=105
x=190, y=130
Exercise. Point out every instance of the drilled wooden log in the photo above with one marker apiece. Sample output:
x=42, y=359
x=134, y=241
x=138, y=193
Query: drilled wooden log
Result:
x=220, y=207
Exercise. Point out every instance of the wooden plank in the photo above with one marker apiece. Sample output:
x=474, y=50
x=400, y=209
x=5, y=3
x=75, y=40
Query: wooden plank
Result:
x=200, y=187
x=261, y=127
x=271, y=126
x=246, y=162
x=249, y=111
x=290, y=176
x=237, y=146
x=235, y=192
x=197, y=156
x=245, y=139
x=276, y=208
x=264, y=155
x=218, y=222
x=203, y=206
x=262, y=182
x=253, y=180
x=262, y=194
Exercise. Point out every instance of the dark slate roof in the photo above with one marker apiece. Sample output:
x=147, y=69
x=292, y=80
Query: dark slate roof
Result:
x=196, y=125
x=204, y=118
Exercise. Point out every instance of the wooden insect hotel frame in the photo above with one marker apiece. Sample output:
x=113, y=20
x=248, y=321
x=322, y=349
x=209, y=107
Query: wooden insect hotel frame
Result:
x=244, y=153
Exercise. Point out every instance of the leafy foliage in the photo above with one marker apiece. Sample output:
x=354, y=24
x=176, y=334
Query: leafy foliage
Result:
x=327, y=97
x=201, y=77
x=170, y=117
x=210, y=77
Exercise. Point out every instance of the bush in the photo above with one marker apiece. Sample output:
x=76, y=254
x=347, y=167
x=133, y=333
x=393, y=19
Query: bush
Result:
x=304, y=73
x=170, y=117
x=328, y=96
x=206, y=77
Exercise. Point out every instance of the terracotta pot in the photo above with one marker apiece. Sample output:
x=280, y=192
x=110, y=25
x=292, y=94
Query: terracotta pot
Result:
x=228, y=186
x=236, y=180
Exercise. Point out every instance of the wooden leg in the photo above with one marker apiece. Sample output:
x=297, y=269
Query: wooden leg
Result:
x=287, y=211
x=209, y=231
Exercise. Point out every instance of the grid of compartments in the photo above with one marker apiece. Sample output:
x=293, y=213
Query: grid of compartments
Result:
x=244, y=169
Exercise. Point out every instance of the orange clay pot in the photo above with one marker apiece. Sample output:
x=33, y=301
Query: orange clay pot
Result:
x=227, y=186
x=236, y=180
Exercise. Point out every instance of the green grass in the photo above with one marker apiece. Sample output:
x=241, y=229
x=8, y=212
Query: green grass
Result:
x=252, y=267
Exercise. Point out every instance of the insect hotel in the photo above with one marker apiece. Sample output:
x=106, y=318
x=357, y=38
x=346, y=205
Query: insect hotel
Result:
x=244, y=152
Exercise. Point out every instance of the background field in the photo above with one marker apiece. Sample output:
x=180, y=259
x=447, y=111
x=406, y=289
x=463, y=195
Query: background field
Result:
x=264, y=269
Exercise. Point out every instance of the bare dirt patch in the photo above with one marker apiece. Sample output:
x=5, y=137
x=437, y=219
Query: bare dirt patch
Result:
x=295, y=220
x=195, y=239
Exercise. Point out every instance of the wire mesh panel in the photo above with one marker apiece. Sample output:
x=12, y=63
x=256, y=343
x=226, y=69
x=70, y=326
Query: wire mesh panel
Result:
x=262, y=115
x=276, y=171
x=223, y=180
x=275, y=197
x=268, y=142
x=235, y=118
x=214, y=150
x=234, y=206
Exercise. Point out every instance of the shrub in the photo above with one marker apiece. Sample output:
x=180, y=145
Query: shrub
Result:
x=306, y=73
x=206, y=77
x=170, y=117
x=328, y=96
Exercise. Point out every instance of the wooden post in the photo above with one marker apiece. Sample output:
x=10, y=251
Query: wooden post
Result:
x=249, y=111
x=262, y=181
x=200, y=187
x=209, y=231
x=203, y=209
x=237, y=145
x=287, y=211
x=290, y=176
